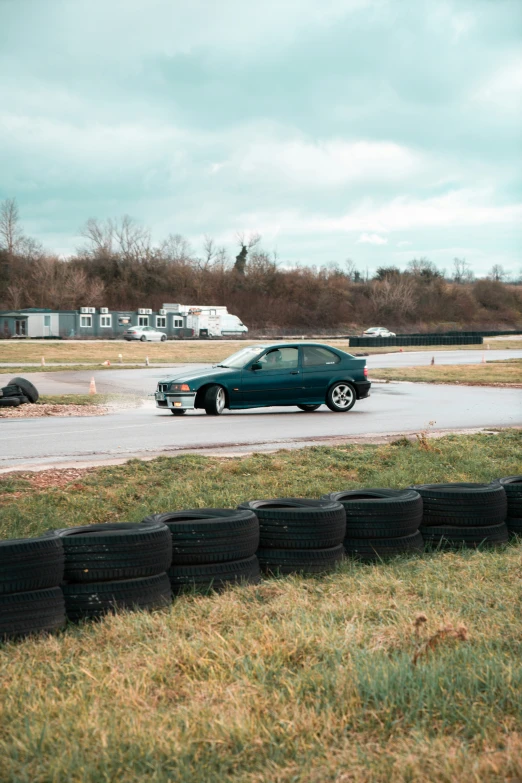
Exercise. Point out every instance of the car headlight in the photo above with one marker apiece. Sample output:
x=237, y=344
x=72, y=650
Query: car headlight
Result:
x=179, y=387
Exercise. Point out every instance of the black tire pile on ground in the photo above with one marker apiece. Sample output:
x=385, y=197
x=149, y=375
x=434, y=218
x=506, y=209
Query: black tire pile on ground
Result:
x=381, y=523
x=298, y=535
x=513, y=488
x=211, y=548
x=463, y=514
x=120, y=565
x=18, y=391
x=31, y=570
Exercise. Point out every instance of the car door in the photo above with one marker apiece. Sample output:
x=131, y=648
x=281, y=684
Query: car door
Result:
x=318, y=365
x=276, y=382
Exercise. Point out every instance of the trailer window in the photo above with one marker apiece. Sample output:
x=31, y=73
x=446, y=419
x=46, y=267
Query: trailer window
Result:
x=143, y=320
x=86, y=321
x=161, y=321
x=106, y=320
x=178, y=323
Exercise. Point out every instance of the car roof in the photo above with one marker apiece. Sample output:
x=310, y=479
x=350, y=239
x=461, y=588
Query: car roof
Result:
x=296, y=344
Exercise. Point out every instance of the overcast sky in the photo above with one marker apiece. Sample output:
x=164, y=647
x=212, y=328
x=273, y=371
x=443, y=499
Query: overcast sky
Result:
x=377, y=130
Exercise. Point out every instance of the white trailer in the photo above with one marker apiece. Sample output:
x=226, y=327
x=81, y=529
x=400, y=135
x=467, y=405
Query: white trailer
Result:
x=208, y=321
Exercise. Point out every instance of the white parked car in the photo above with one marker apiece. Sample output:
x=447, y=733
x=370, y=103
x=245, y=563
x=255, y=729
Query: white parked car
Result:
x=378, y=331
x=144, y=334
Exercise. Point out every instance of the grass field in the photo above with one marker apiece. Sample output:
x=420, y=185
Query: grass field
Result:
x=508, y=372
x=400, y=671
x=171, y=351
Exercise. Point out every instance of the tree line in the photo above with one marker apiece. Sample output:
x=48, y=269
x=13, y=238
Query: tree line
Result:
x=118, y=266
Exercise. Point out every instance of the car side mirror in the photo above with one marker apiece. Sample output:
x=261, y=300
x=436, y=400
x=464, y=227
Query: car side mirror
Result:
x=256, y=366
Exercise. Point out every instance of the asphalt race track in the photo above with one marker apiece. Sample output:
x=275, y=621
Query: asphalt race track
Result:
x=393, y=408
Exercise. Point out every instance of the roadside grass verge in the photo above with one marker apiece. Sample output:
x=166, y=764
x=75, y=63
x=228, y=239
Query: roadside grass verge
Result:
x=131, y=491
x=111, y=400
x=491, y=374
x=174, y=351
x=296, y=680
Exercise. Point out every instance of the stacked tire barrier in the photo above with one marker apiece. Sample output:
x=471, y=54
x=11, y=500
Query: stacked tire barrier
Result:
x=85, y=572
x=513, y=488
x=298, y=535
x=463, y=514
x=211, y=548
x=31, y=572
x=384, y=342
x=381, y=523
x=120, y=565
x=18, y=391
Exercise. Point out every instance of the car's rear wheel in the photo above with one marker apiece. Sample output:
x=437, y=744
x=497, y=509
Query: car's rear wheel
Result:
x=177, y=412
x=143, y=339
x=341, y=397
x=215, y=400
x=308, y=408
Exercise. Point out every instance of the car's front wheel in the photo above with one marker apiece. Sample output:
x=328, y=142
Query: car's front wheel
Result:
x=341, y=397
x=143, y=339
x=215, y=400
x=308, y=408
x=163, y=338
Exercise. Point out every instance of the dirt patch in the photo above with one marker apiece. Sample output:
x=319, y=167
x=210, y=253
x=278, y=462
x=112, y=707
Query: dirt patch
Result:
x=36, y=411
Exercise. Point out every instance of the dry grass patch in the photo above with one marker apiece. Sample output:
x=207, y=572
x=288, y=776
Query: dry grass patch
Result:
x=498, y=373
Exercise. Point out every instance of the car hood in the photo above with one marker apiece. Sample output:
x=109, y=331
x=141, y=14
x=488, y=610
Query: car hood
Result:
x=188, y=376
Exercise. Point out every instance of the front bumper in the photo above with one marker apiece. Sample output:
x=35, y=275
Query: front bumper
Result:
x=362, y=389
x=178, y=400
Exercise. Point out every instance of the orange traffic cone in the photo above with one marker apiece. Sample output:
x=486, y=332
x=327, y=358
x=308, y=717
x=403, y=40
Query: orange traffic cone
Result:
x=92, y=387
x=107, y=363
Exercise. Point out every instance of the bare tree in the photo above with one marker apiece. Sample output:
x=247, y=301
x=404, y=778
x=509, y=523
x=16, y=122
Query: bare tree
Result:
x=10, y=231
x=246, y=245
x=462, y=272
x=175, y=249
x=497, y=272
x=133, y=240
x=100, y=237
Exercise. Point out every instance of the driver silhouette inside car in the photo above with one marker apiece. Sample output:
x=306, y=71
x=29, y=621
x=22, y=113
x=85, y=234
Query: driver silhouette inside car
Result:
x=273, y=360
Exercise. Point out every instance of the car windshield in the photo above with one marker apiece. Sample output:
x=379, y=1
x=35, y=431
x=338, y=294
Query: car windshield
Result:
x=242, y=357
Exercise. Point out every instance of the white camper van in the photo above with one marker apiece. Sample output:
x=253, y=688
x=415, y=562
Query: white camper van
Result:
x=209, y=321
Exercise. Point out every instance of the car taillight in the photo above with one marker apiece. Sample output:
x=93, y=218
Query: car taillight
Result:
x=365, y=371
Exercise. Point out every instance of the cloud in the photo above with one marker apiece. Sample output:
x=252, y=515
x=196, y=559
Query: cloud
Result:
x=372, y=239
x=403, y=243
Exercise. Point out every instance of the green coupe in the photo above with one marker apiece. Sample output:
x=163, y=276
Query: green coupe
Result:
x=303, y=374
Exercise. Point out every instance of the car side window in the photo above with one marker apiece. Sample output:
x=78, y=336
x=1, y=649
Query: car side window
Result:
x=280, y=359
x=314, y=356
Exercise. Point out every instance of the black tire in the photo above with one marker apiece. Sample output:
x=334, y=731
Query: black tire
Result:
x=341, y=397
x=30, y=564
x=467, y=536
x=513, y=488
x=381, y=548
x=308, y=408
x=9, y=402
x=163, y=338
x=34, y=611
x=215, y=400
x=122, y=550
x=380, y=513
x=298, y=523
x=514, y=526
x=27, y=387
x=300, y=561
x=143, y=339
x=96, y=599
x=214, y=576
x=11, y=391
x=463, y=504
x=24, y=400
x=210, y=535
x=177, y=412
